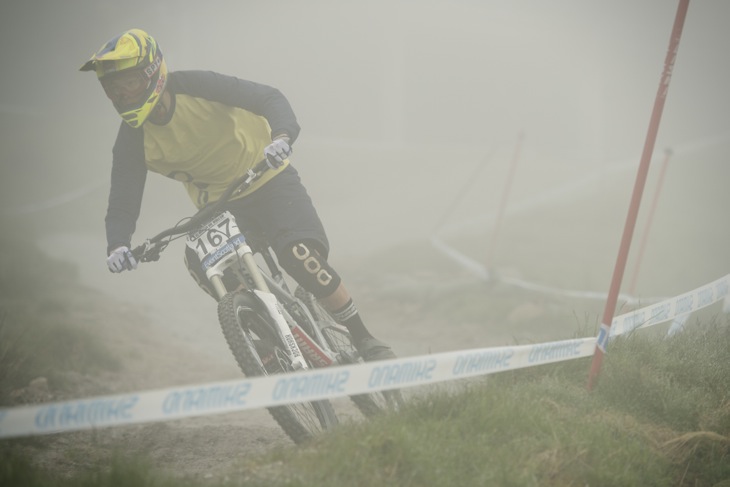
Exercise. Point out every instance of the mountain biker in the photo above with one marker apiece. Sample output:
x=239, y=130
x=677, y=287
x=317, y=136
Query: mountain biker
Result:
x=206, y=129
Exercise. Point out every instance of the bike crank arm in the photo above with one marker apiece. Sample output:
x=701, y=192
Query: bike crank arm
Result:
x=276, y=312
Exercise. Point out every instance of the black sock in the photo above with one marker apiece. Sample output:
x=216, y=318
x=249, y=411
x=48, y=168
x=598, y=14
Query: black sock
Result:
x=349, y=317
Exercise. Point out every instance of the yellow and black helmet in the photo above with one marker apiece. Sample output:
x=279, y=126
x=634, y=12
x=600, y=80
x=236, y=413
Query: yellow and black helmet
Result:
x=132, y=72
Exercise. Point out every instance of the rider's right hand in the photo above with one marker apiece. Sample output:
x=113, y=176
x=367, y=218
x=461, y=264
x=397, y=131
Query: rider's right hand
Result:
x=121, y=259
x=277, y=152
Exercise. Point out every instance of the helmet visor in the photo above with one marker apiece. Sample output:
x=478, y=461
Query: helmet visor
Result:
x=126, y=88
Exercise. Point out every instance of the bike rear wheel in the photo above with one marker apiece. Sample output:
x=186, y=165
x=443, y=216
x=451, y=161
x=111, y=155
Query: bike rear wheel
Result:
x=370, y=404
x=259, y=352
x=339, y=340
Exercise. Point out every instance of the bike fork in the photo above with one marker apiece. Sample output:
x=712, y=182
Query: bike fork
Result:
x=294, y=339
x=277, y=314
x=309, y=345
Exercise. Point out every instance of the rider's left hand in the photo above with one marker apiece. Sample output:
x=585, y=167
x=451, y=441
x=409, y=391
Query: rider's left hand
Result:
x=277, y=152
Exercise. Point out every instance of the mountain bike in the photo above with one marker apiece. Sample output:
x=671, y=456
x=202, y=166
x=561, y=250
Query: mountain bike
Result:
x=269, y=328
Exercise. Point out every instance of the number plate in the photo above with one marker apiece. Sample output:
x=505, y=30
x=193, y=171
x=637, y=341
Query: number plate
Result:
x=216, y=239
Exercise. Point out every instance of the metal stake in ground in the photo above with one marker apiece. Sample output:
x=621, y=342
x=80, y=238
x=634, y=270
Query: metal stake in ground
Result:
x=503, y=203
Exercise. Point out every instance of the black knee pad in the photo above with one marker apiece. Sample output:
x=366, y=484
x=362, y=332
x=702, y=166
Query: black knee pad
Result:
x=307, y=266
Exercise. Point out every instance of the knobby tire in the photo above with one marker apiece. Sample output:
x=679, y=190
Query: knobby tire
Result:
x=258, y=352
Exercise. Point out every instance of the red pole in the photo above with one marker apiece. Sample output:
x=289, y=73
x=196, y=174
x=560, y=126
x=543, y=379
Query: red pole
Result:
x=503, y=203
x=650, y=218
x=618, y=272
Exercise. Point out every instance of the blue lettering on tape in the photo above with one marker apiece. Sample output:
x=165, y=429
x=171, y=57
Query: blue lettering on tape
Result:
x=660, y=312
x=206, y=398
x=91, y=412
x=705, y=297
x=472, y=363
x=546, y=352
x=305, y=386
x=634, y=320
x=684, y=305
x=398, y=374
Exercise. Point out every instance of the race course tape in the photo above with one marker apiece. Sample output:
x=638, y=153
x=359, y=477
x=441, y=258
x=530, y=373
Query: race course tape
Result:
x=263, y=392
x=483, y=273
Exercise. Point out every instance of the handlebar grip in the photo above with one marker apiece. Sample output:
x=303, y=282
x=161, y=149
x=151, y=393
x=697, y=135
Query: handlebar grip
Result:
x=263, y=165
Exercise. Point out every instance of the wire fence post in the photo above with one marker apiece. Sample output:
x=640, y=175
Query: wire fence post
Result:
x=503, y=203
x=473, y=177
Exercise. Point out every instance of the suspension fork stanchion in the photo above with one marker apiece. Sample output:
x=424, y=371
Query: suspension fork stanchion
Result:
x=246, y=255
x=217, y=281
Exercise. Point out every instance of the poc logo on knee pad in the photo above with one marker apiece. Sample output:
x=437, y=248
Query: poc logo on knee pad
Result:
x=311, y=264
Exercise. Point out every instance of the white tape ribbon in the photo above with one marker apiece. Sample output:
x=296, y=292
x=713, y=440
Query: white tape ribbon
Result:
x=481, y=272
x=262, y=392
x=672, y=308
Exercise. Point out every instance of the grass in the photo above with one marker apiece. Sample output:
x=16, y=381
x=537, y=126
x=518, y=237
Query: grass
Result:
x=541, y=427
x=16, y=470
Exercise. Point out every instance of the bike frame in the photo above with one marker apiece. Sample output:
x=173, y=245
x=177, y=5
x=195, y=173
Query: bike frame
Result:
x=275, y=296
x=269, y=288
x=258, y=297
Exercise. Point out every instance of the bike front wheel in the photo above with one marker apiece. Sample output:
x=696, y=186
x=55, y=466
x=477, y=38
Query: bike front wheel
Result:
x=259, y=352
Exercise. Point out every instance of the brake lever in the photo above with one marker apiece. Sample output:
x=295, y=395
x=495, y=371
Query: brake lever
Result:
x=148, y=252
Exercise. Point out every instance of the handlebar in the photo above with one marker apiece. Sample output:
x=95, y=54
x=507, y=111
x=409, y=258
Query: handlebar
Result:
x=151, y=248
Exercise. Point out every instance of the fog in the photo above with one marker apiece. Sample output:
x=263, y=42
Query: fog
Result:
x=398, y=101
